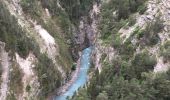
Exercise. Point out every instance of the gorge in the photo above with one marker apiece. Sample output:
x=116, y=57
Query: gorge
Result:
x=84, y=50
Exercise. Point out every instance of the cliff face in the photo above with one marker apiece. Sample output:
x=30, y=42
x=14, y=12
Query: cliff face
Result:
x=40, y=41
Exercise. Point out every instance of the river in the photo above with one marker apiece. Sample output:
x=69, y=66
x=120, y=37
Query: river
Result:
x=82, y=75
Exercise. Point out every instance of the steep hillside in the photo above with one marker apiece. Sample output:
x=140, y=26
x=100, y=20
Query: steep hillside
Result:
x=41, y=43
x=131, y=56
x=40, y=46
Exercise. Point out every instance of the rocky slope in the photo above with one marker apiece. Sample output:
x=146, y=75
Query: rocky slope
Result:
x=38, y=46
x=5, y=64
x=131, y=57
x=155, y=9
x=41, y=39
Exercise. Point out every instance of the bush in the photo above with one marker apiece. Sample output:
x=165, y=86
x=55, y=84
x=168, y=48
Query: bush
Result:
x=166, y=55
x=127, y=50
x=142, y=9
x=116, y=41
x=143, y=62
x=166, y=51
x=31, y=7
x=76, y=9
x=15, y=77
x=150, y=35
x=111, y=24
x=158, y=25
x=48, y=75
x=167, y=45
x=14, y=36
x=74, y=67
x=132, y=21
x=28, y=88
x=140, y=34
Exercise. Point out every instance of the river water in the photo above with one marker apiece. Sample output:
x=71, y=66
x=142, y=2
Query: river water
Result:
x=82, y=76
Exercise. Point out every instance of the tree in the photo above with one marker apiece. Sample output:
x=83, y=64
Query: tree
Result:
x=102, y=96
x=143, y=63
x=82, y=95
x=123, y=9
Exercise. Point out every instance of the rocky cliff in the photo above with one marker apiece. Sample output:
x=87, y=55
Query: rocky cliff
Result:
x=40, y=41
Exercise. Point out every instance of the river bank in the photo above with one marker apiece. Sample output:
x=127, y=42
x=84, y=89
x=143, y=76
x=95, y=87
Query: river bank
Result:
x=81, y=76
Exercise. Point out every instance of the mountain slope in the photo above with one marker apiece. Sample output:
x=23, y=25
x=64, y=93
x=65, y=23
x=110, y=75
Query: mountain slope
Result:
x=131, y=55
x=40, y=39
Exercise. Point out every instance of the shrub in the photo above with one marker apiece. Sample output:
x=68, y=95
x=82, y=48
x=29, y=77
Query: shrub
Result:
x=143, y=62
x=127, y=50
x=48, y=75
x=166, y=55
x=150, y=34
x=142, y=9
x=14, y=36
x=76, y=9
x=132, y=21
x=116, y=41
x=73, y=67
x=15, y=77
x=140, y=34
x=31, y=7
x=28, y=88
x=158, y=25
x=166, y=51
x=167, y=45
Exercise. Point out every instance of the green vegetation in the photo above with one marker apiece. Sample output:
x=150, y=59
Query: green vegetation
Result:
x=165, y=51
x=17, y=41
x=142, y=63
x=142, y=9
x=15, y=84
x=122, y=9
x=59, y=26
x=74, y=66
x=28, y=88
x=13, y=35
x=59, y=19
x=49, y=76
x=132, y=21
x=126, y=50
x=149, y=36
x=11, y=97
x=64, y=59
x=76, y=8
x=32, y=8
x=113, y=84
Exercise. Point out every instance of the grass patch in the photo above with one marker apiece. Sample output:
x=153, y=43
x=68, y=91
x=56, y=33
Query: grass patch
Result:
x=15, y=84
x=13, y=35
x=165, y=51
x=49, y=76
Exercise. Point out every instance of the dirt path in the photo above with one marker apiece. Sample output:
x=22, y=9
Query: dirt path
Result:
x=5, y=74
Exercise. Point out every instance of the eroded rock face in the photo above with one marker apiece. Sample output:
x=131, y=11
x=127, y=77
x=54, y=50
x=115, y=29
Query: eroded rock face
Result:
x=48, y=45
x=87, y=31
x=29, y=78
x=5, y=64
x=155, y=8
